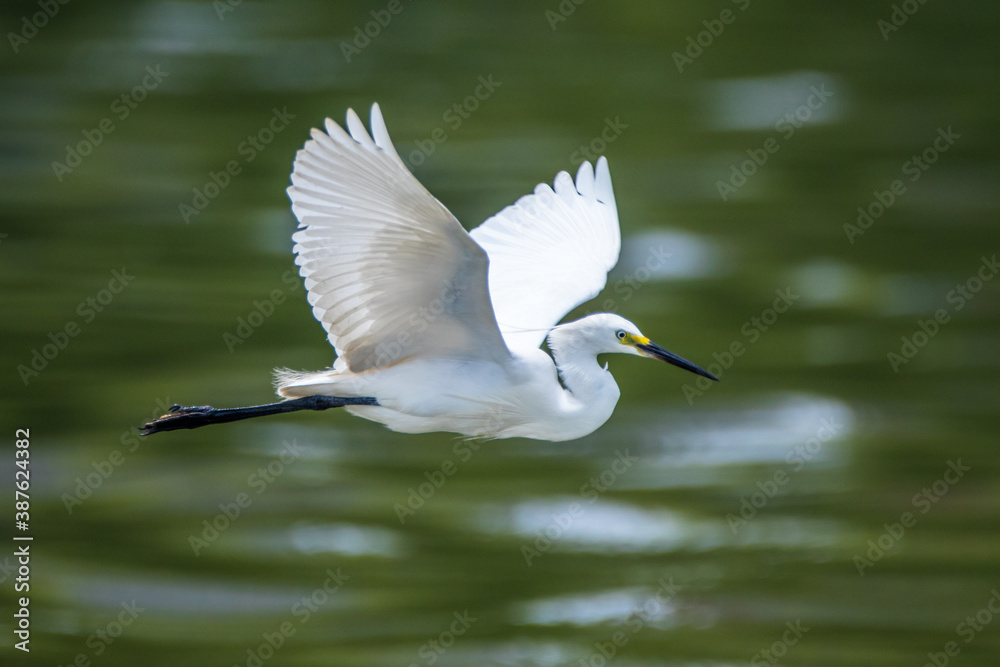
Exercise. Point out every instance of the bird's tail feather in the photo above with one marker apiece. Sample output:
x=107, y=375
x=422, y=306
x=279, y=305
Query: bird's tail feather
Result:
x=330, y=382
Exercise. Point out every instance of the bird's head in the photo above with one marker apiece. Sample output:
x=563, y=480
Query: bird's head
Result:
x=606, y=332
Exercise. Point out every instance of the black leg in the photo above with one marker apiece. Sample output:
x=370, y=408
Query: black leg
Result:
x=201, y=415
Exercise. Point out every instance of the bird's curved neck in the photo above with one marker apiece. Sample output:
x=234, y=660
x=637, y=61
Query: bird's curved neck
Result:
x=581, y=374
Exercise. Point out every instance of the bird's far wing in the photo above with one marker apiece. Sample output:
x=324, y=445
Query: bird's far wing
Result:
x=550, y=252
x=390, y=272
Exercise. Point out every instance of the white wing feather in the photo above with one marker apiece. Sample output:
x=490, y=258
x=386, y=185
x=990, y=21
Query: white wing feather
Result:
x=390, y=272
x=550, y=252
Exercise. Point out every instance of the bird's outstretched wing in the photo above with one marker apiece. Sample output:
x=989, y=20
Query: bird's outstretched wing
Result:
x=550, y=252
x=390, y=272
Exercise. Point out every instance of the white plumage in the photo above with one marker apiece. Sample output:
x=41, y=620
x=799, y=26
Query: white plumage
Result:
x=550, y=252
x=443, y=327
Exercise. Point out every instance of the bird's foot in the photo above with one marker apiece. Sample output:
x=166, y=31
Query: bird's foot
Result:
x=178, y=417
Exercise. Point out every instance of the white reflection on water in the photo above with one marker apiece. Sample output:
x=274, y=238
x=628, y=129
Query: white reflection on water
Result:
x=346, y=539
x=765, y=431
x=830, y=282
x=593, y=608
x=337, y=538
x=603, y=525
x=523, y=651
x=760, y=103
x=663, y=255
x=689, y=451
x=607, y=526
x=246, y=53
x=184, y=594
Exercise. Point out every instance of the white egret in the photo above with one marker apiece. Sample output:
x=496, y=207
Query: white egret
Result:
x=436, y=328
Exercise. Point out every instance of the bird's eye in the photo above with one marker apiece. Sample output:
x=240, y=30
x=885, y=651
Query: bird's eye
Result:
x=621, y=335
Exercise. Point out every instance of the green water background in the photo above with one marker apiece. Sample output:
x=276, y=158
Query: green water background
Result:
x=821, y=439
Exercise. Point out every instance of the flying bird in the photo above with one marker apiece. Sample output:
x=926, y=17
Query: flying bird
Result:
x=439, y=329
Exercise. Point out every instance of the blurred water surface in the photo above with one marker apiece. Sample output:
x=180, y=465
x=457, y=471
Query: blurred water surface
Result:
x=760, y=520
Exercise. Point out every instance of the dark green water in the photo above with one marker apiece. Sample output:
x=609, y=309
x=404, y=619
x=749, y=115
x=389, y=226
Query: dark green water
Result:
x=826, y=504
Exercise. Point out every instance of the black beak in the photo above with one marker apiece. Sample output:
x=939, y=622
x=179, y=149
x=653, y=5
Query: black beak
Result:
x=657, y=352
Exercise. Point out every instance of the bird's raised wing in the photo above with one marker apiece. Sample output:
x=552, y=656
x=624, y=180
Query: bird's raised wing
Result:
x=389, y=271
x=550, y=252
